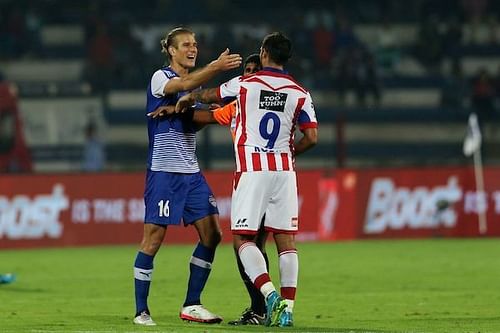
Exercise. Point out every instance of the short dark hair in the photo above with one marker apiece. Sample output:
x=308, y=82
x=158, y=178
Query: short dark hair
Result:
x=170, y=40
x=252, y=58
x=278, y=46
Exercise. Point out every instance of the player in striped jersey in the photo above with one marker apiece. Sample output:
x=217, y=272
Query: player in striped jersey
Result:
x=255, y=314
x=270, y=106
x=175, y=188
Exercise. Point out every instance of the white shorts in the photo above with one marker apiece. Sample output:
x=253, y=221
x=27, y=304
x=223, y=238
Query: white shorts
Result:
x=273, y=193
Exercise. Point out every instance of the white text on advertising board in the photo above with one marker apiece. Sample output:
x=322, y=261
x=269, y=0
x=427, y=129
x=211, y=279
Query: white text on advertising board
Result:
x=115, y=210
x=391, y=207
x=22, y=217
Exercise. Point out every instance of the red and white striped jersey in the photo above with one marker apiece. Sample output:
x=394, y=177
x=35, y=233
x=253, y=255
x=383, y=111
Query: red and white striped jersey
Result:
x=270, y=106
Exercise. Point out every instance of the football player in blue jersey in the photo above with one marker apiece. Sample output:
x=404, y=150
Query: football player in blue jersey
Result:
x=175, y=188
x=256, y=313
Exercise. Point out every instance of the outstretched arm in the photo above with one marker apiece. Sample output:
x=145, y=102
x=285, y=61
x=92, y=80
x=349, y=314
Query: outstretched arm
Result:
x=203, y=117
x=193, y=80
x=308, y=140
x=204, y=96
x=222, y=115
x=161, y=111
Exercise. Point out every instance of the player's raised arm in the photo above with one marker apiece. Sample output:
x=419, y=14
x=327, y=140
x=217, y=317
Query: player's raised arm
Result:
x=224, y=62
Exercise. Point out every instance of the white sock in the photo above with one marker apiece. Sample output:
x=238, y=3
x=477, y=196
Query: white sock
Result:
x=253, y=260
x=289, y=304
x=289, y=271
x=255, y=266
x=267, y=288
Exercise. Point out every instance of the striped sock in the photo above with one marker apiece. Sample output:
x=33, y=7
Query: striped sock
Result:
x=289, y=271
x=255, y=266
x=143, y=272
x=199, y=267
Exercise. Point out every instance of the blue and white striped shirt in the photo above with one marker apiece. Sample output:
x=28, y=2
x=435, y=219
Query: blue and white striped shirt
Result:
x=172, y=139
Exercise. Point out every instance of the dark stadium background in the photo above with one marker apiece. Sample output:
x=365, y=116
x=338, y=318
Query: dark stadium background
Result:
x=393, y=81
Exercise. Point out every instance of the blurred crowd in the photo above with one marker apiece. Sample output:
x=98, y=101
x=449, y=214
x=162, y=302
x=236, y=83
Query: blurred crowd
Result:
x=121, y=39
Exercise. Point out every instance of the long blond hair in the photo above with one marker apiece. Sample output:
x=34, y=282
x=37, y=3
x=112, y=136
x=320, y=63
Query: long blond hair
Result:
x=170, y=40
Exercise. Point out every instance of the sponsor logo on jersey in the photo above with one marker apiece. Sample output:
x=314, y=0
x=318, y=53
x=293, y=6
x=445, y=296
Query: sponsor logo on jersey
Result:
x=272, y=100
x=169, y=73
x=241, y=223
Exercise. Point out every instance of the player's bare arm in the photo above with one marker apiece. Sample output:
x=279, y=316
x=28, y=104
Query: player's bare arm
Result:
x=308, y=140
x=219, y=115
x=224, y=62
x=164, y=110
x=204, y=96
x=201, y=117
x=204, y=117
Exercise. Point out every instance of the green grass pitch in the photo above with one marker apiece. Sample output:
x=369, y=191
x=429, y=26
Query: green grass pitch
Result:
x=438, y=285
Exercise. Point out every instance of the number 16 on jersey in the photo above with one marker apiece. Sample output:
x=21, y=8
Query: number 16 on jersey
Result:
x=164, y=208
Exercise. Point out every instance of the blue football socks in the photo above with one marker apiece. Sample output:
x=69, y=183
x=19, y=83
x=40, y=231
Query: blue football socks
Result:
x=143, y=271
x=200, y=266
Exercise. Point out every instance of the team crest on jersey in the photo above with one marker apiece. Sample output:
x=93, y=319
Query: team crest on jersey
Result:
x=272, y=100
x=212, y=201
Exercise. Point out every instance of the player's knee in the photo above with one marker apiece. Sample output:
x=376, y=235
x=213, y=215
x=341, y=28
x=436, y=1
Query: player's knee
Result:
x=150, y=247
x=216, y=237
x=211, y=238
x=284, y=241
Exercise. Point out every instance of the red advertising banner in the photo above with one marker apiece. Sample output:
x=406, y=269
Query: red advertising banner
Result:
x=60, y=210
x=405, y=203
x=91, y=209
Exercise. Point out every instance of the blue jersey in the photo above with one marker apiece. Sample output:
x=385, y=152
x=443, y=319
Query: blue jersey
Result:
x=172, y=139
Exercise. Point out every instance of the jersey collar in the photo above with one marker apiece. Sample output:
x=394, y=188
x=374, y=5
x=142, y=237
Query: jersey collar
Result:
x=275, y=70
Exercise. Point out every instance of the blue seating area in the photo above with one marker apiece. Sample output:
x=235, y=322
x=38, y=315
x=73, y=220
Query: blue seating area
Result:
x=371, y=67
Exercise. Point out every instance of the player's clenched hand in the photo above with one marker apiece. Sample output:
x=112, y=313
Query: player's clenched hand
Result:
x=227, y=61
x=184, y=103
x=162, y=111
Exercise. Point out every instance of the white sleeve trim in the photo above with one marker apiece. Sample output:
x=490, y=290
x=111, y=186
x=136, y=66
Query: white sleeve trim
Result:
x=158, y=83
x=230, y=88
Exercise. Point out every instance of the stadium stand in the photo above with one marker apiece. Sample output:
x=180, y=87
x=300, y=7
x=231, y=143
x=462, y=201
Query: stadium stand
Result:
x=392, y=85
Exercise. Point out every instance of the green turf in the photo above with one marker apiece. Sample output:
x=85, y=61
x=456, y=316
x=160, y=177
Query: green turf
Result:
x=367, y=286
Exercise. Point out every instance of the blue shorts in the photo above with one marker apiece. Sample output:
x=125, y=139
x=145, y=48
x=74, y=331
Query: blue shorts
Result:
x=171, y=196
